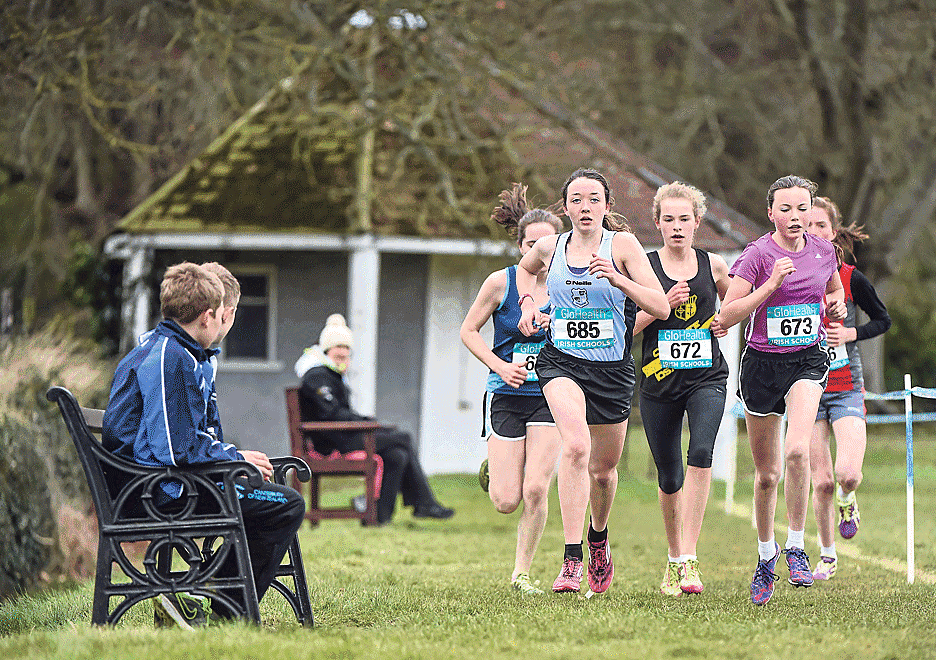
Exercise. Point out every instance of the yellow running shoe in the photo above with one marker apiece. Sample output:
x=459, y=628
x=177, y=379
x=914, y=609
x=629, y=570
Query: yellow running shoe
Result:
x=825, y=569
x=182, y=610
x=670, y=584
x=691, y=582
x=526, y=587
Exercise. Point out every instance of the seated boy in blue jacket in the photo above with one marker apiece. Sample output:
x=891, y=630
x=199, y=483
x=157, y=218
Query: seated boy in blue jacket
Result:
x=163, y=411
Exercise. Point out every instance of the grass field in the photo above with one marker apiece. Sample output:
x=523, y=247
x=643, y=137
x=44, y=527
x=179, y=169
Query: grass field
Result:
x=421, y=589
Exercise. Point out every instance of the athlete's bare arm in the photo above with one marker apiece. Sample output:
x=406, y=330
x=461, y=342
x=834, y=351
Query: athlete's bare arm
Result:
x=722, y=282
x=677, y=295
x=719, y=274
x=539, y=256
x=636, y=278
x=489, y=297
x=742, y=298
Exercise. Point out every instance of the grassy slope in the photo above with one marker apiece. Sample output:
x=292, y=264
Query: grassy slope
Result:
x=421, y=589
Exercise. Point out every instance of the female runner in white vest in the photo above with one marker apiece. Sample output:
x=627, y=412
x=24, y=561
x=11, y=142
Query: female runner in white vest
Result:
x=596, y=280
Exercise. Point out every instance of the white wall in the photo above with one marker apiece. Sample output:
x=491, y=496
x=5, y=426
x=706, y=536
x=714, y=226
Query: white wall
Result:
x=453, y=379
x=725, y=458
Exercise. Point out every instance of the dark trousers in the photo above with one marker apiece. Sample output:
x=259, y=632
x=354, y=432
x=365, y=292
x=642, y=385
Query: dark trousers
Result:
x=402, y=474
x=402, y=471
x=272, y=514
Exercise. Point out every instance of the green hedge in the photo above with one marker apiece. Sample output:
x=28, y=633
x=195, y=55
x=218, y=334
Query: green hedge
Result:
x=47, y=529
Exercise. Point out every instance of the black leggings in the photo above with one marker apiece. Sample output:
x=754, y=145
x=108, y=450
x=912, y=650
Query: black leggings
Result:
x=662, y=421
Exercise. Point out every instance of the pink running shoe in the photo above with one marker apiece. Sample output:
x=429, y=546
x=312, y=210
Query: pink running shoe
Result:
x=600, y=566
x=570, y=578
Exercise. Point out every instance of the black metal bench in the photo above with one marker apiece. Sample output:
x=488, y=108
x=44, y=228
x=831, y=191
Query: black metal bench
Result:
x=186, y=544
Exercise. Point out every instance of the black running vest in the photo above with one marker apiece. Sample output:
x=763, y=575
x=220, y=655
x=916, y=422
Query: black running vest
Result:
x=661, y=382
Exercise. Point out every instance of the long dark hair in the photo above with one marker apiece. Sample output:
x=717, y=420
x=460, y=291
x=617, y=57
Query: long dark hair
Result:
x=791, y=181
x=843, y=237
x=613, y=221
x=515, y=216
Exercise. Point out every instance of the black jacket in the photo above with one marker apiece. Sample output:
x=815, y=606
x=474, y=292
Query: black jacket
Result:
x=324, y=397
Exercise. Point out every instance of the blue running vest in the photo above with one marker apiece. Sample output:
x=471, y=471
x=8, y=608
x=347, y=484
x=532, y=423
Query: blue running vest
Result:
x=590, y=319
x=511, y=345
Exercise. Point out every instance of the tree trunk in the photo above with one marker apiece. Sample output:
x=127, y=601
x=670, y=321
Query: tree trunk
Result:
x=365, y=164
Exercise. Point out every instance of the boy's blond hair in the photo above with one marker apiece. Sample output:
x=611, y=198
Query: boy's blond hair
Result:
x=679, y=190
x=187, y=291
x=232, y=291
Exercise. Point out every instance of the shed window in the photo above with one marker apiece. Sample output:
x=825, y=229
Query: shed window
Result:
x=251, y=338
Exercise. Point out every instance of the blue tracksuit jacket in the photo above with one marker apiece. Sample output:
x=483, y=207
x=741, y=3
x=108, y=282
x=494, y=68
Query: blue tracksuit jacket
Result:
x=163, y=406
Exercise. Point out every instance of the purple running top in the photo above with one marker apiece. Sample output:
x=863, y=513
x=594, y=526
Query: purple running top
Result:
x=790, y=319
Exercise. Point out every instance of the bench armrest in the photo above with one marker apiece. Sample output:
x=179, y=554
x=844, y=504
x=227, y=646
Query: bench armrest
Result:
x=283, y=464
x=357, y=425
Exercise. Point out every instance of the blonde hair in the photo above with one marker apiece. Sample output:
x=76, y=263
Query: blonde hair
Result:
x=232, y=291
x=187, y=291
x=679, y=190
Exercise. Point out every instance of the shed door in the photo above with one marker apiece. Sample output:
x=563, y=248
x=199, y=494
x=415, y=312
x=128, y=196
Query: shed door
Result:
x=401, y=338
x=453, y=379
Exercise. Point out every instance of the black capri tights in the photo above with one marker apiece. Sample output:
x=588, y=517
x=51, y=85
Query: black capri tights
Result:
x=662, y=421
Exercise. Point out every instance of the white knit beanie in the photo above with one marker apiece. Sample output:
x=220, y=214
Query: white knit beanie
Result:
x=335, y=333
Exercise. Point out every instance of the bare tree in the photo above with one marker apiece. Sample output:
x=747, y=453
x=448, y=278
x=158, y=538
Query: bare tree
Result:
x=104, y=101
x=732, y=95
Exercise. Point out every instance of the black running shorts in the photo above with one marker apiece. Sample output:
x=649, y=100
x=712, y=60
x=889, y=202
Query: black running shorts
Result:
x=766, y=378
x=608, y=386
x=508, y=415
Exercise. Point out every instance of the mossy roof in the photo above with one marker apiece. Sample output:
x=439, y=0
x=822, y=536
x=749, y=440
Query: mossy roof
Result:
x=288, y=166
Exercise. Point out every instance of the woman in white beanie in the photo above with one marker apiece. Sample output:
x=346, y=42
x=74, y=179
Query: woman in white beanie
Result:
x=325, y=396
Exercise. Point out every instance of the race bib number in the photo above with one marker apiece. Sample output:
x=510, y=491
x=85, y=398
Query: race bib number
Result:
x=583, y=328
x=685, y=349
x=525, y=355
x=793, y=325
x=838, y=356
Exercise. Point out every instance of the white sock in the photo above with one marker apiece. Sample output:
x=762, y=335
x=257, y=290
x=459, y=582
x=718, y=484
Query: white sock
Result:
x=684, y=558
x=767, y=549
x=795, y=539
x=677, y=560
x=828, y=552
x=842, y=495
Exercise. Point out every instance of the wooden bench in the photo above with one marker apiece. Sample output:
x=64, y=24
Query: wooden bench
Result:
x=185, y=545
x=362, y=463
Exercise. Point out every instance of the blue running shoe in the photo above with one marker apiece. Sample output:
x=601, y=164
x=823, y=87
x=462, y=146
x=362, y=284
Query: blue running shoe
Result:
x=798, y=561
x=764, y=577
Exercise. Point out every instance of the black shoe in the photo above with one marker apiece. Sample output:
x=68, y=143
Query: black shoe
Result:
x=359, y=503
x=433, y=510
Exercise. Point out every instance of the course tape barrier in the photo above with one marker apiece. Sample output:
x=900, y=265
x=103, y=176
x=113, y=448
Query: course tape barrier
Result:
x=922, y=392
x=898, y=395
